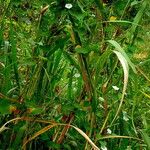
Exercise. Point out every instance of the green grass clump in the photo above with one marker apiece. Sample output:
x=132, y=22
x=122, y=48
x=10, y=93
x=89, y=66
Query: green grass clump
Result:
x=74, y=75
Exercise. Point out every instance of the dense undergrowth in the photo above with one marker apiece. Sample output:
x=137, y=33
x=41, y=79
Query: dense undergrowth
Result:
x=74, y=74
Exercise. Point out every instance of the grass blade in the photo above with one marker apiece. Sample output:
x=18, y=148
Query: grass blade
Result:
x=14, y=55
x=125, y=66
x=100, y=64
x=146, y=139
x=86, y=137
x=39, y=133
x=119, y=48
x=138, y=17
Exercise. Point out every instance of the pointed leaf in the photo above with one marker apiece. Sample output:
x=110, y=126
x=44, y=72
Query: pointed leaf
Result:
x=125, y=66
x=120, y=49
x=86, y=137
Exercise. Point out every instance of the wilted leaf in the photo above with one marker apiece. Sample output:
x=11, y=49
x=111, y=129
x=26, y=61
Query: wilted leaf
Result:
x=39, y=133
x=86, y=137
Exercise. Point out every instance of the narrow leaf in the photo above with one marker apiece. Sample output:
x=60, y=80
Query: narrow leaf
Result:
x=39, y=133
x=120, y=49
x=86, y=137
x=125, y=66
x=71, y=60
x=138, y=17
x=146, y=139
x=3, y=127
x=100, y=63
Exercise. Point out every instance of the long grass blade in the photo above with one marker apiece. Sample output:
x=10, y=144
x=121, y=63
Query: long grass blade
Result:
x=120, y=49
x=86, y=137
x=138, y=17
x=39, y=133
x=118, y=136
x=3, y=127
x=124, y=64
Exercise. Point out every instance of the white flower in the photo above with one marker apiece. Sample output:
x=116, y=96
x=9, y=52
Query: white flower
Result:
x=6, y=42
x=128, y=148
x=40, y=43
x=93, y=15
x=101, y=99
x=68, y=6
x=109, y=131
x=74, y=89
x=125, y=117
x=115, y=88
x=103, y=147
x=77, y=75
x=1, y=64
x=73, y=82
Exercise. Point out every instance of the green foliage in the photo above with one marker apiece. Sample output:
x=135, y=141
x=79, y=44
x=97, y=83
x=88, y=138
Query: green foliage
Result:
x=78, y=66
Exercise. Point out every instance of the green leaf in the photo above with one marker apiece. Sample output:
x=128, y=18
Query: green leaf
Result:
x=125, y=66
x=14, y=55
x=80, y=5
x=82, y=50
x=101, y=8
x=71, y=60
x=19, y=135
x=4, y=107
x=120, y=49
x=70, y=86
x=57, y=60
x=138, y=17
x=100, y=64
x=146, y=138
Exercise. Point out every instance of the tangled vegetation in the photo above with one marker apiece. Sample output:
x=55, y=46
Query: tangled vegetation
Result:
x=74, y=74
